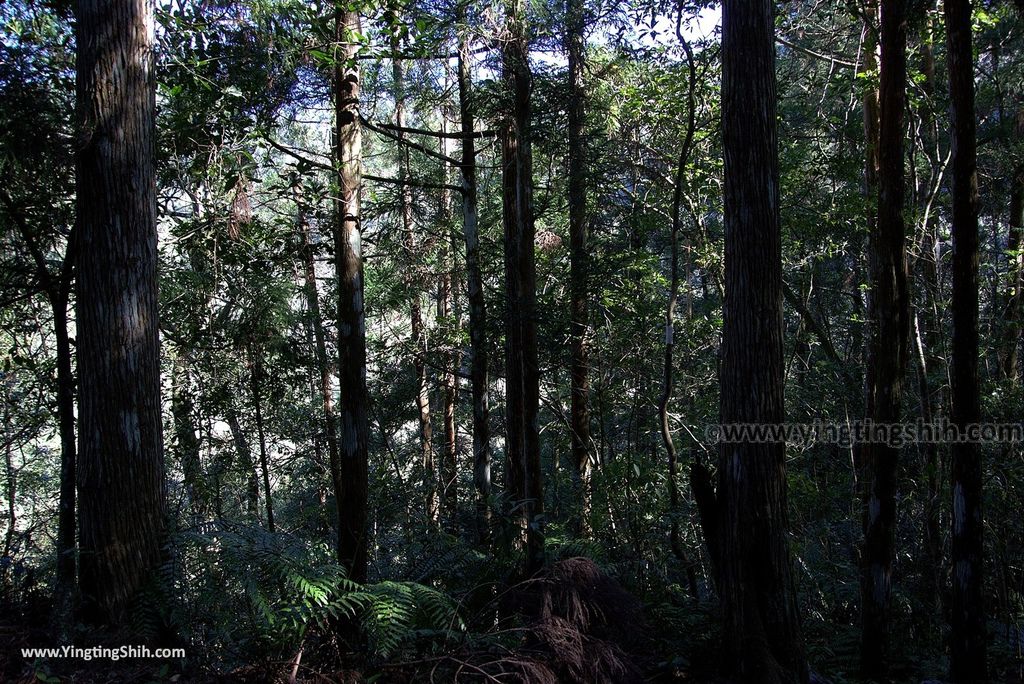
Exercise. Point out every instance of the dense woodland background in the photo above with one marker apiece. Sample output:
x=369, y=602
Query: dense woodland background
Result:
x=582, y=232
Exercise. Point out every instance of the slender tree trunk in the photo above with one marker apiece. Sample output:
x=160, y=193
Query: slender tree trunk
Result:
x=670, y=315
x=525, y=492
x=11, y=486
x=418, y=339
x=186, y=443
x=449, y=386
x=246, y=455
x=967, y=653
x=252, y=488
x=932, y=536
x=67, y=560
x=868, y=67
x=121, y=467
x=58, y=288
x=447, y=314
x=256, y=386
x=352, y=408
x=323, y=361
x=1015, y=301
x=475, y=296
x=762, y=635
x=579, y=228
x=888, y=347
x=925, y=338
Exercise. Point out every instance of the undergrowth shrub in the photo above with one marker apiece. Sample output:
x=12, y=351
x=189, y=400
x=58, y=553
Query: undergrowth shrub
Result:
x=250, y=596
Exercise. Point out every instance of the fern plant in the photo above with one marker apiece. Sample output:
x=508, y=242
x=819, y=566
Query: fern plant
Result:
x=249, y=595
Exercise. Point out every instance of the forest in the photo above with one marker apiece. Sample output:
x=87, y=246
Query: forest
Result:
x=512, y=341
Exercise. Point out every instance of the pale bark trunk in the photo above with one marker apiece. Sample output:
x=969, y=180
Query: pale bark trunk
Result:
x=475, y=297
x=579, y=228
x=418, y=339
x=446, y=312
x=353, y=425
x=323, y=362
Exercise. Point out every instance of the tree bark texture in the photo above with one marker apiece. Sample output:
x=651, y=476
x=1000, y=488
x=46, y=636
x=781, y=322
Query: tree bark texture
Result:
x=967, y=640
x=121, y=466
x=353, y=423
x=762, y=635
x=525, y=493
x=889, y=317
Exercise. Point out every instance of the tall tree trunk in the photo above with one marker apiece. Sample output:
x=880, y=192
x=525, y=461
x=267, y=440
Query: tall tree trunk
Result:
x=889, y=315
x=670, y=315
x=867, y=69
x=762, y=635
x=967, y=653
x=10, y=487
x=475, y=296
x=252, y=482
x=579, y=228
x=1015, y=302
x=323, y=361
x=447, y=314
x=67, y=560
x=256, y=386
x=412, y=281
x=925, y=338
x=58, y=289
x=352, y=408
x=525, y=492
x=186, y=444
x=932, y=536
x=121, y=467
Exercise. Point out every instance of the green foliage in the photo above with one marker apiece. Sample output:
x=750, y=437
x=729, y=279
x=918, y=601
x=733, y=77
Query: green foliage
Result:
x=244, y=150
x=245, y=595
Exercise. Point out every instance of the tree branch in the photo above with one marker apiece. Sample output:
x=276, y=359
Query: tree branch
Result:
x=811, y=53
x=405, y=141
x=436, y=134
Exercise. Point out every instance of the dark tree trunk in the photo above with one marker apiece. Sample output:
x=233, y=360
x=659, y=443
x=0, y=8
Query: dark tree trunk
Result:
x=256, y=386
x=888, y=347
x=475, y=297
x=121, y=468
x=10, y=491
x=1015, y=301
x=925, y=338
x=352, y=408
x=579, y=228
x=186, y=443
x=448, y=315
x=525, y=493
x=418, y=339
x=670, y=315
x=932, y=535
x=252, y=482
x=762, y=635
x=967, y=640
x=870, y=109
x=58, y=288
x=67, y=560
x=323, y=361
